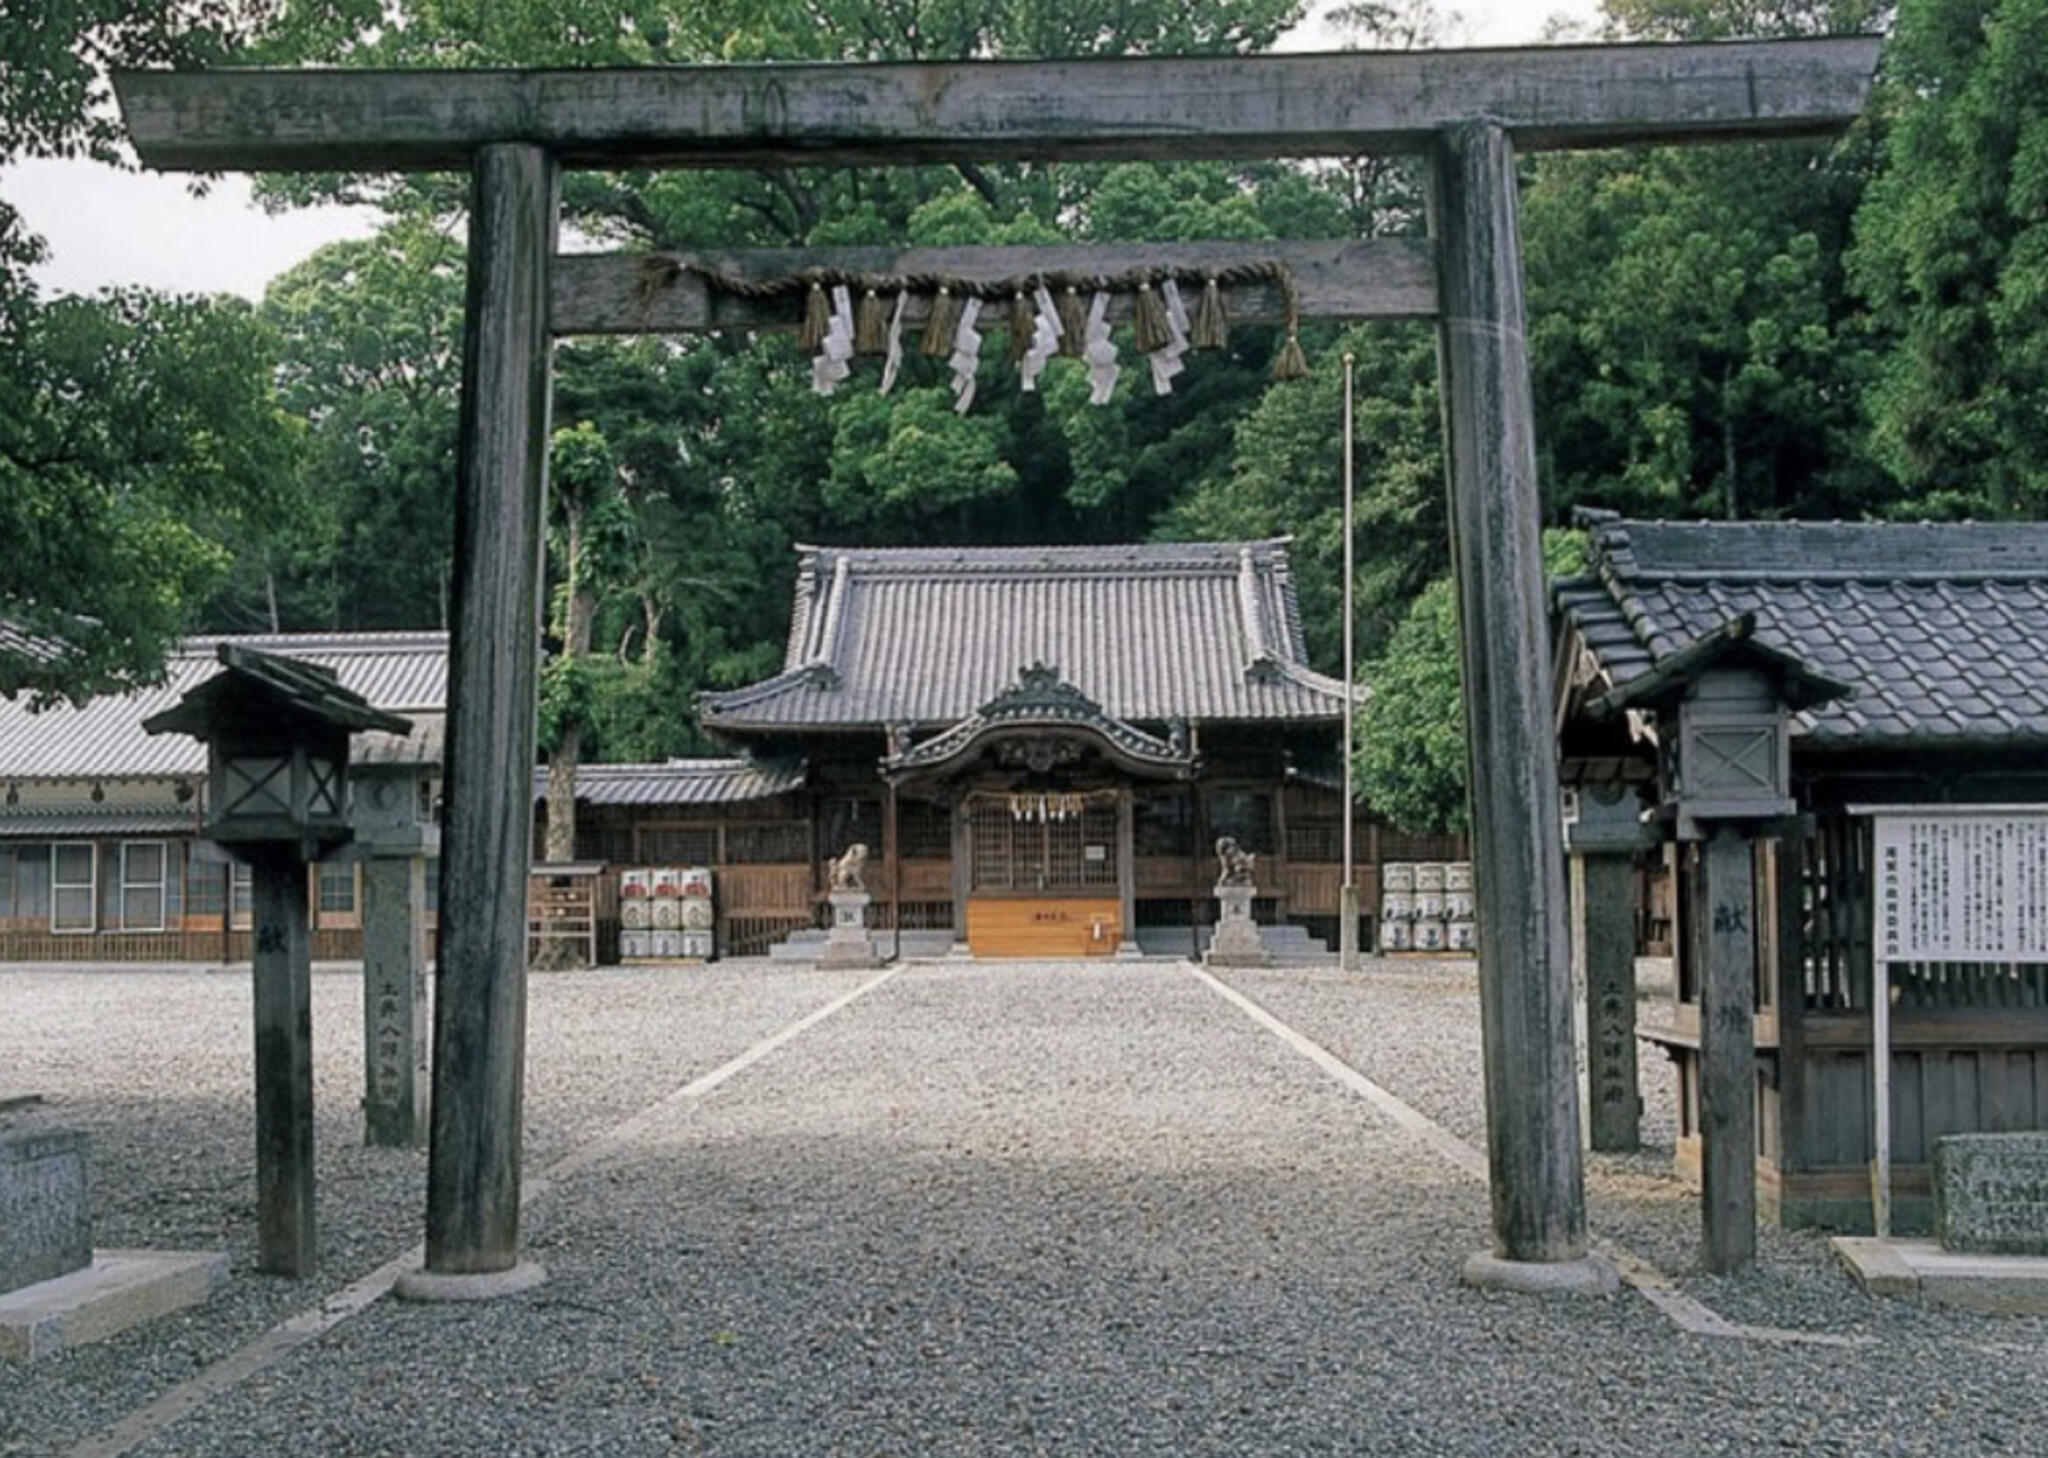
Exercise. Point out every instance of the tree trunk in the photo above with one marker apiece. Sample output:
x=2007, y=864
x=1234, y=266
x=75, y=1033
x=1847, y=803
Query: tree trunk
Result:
x=560, y=844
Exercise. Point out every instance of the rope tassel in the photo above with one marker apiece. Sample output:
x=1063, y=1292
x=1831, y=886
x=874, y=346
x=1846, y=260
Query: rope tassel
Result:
x=871, y=333
x=1021, y=326
x=817, y=319
x=1149, y=320
x=940, y=327
x=1212, y=324
x=1073, y=322
x=1292, y=363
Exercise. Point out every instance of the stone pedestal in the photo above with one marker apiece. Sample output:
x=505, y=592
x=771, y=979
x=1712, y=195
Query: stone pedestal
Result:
x=1236, y=942
x=848, y=943
x=1991, y=1193
x=45, y=1212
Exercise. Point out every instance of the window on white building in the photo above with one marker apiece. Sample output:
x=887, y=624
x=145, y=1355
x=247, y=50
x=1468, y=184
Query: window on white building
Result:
x=143, y=867
x=74, y=887
x=337, y=904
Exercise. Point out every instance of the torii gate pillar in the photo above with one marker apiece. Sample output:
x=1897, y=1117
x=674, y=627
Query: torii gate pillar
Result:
x=1525, y=993
x=487, y=842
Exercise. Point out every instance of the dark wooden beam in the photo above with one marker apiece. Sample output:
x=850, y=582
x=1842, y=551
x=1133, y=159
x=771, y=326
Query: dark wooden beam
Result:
x=494, y=649
x=1727, y=938
x=631, y=293
x=1146, y=109
x=1525, y=989
x=286, y=1243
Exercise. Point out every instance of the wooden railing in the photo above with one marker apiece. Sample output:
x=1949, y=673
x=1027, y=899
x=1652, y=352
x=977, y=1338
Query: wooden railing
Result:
x=750, y=891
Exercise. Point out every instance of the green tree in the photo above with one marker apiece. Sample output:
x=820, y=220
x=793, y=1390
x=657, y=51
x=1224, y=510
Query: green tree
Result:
x=1287, y=478
x=1694, y=348
x=594, y=542
x=1410, y=760
x=1952, y=252
x=137, y=432
x=372, y=361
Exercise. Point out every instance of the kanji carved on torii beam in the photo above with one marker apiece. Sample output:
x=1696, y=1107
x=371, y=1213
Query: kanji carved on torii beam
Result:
x=1465, y=112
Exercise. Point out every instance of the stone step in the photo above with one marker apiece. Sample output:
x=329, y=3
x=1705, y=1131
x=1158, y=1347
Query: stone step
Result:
x=1286, y=942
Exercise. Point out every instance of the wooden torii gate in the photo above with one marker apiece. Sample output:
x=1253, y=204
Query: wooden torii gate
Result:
x=1466, y=112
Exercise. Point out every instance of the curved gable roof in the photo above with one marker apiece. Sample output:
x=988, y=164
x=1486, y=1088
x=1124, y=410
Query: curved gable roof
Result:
x=925, y=636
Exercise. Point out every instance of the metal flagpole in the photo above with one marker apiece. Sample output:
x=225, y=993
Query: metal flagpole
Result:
x=1347, y=897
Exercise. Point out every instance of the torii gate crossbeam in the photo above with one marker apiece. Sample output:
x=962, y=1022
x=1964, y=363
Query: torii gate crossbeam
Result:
x=1466, y=112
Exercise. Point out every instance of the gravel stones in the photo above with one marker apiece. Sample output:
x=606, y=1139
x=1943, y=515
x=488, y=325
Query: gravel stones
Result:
x=1015, y=1208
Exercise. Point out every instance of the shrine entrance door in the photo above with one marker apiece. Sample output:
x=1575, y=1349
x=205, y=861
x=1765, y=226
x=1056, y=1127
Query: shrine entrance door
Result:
x=1042, y=875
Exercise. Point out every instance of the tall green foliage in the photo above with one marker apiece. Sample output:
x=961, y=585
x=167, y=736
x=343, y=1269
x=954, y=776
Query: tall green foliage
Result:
x=1952, y=250
x=1286, y=478
x=137, y=432
x=1410, y=761
x=373, y=362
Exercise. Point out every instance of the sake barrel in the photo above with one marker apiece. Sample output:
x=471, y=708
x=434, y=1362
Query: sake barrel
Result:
x=1429, y=875
x=1398, y=876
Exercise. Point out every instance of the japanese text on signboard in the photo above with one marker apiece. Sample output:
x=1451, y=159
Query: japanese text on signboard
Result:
x=1962, y=888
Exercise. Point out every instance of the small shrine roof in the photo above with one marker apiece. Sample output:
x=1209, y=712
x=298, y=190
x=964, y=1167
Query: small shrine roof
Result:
x=1941, y=629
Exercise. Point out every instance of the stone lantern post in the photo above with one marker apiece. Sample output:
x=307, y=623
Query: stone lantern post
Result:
x=277, y=737
x=396, y=832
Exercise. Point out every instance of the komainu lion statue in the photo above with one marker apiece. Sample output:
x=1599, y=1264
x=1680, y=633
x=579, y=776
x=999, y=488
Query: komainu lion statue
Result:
x=846, y=870
x=1235, y=861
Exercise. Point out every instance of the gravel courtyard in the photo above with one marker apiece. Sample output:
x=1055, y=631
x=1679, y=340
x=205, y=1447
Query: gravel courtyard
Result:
x=1003, y=1209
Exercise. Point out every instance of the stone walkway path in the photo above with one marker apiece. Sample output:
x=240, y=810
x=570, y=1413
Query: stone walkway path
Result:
x=1020, y=1209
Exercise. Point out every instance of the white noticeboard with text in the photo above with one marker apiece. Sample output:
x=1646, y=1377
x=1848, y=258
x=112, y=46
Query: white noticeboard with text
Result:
x=1968, y=884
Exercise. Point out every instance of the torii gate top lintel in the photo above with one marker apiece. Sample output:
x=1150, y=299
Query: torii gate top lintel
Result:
x=891, y=114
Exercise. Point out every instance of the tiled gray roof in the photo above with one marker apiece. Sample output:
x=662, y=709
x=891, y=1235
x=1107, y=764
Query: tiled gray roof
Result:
x=104, y=740
x=1941, y=629
x=682, y=782
x=73, y=822
x=925, y=636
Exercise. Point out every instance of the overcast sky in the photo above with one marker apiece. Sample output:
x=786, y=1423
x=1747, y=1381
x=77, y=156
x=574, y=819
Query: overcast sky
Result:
x=106, y=227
